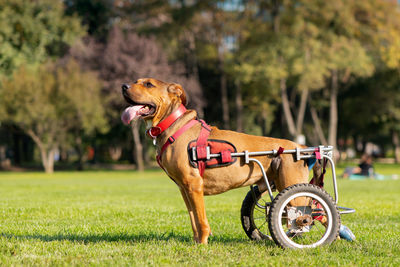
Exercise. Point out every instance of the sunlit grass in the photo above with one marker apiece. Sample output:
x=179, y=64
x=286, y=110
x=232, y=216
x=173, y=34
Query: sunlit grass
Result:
x=129, y=218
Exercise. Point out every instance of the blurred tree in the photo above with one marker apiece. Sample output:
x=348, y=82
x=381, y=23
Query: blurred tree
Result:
x=297, y=53
x=304, y=47
x=53, y=105
x=33, y=31
x=282, y=51
x=371, y=109
x=358, y=36
x=30, y=33
x=177, y=25
x=96, y=15
x=124, y=58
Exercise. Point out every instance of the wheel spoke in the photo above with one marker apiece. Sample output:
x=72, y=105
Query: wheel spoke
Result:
x=259, y=227
x=254, y=216
x=261, y=211
x=322, y=233
x=294, y=226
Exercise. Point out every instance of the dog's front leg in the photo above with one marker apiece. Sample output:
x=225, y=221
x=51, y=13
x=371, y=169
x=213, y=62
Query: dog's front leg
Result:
x=191, y=214
x=195, y=194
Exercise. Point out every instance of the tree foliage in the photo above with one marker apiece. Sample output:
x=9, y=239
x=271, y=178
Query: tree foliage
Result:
x=52, y=103
x=123, y=58
x=33, y=31
x=96, y=15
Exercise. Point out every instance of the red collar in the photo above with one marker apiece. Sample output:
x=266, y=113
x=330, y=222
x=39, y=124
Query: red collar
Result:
x=155, y=131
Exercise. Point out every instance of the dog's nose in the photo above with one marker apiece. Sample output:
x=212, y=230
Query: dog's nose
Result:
x=125, y=87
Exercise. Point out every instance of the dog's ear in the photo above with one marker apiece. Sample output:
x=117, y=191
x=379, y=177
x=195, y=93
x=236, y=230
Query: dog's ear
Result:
x=177, y=89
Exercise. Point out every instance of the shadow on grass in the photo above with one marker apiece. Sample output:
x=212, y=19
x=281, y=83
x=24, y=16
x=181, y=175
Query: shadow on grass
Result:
x=95, y=238
x=134, y=238
x=234, y=240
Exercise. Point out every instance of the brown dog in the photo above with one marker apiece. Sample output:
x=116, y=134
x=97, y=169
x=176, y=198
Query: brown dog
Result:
x=154, y=100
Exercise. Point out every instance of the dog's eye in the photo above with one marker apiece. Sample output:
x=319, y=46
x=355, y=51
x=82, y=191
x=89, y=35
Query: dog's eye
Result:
x=148, y=84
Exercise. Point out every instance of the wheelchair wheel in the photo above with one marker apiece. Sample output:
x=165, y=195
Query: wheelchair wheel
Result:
x=303, y=216
x=254, y=215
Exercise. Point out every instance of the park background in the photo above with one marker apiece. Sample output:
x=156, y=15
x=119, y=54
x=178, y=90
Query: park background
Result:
x=322, y=72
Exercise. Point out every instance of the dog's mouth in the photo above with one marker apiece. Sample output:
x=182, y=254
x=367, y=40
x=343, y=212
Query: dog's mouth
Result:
x=136, y=111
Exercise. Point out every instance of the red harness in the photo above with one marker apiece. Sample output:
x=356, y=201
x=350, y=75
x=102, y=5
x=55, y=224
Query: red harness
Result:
x=155, y=131
x=201, y=143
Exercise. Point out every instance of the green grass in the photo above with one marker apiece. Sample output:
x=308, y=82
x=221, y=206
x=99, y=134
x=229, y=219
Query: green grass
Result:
x=129, y=218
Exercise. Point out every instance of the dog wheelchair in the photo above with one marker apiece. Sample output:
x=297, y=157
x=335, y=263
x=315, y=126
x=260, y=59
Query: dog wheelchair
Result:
x=301, y=215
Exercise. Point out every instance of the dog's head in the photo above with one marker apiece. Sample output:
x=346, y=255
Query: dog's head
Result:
x=151, y=99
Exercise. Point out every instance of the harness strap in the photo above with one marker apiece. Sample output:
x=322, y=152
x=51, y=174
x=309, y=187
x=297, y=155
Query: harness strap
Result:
x=280, y=151
x=321, y=179
x=319, y=207
x=175, y=136
x=317, y=153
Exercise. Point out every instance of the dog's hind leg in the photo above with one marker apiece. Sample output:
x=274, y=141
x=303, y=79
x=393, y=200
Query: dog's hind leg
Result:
x=317, y=173
x=191, y=214
x=292, y=172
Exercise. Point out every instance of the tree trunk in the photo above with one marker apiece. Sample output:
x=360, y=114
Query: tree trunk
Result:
x=224, y=92
x=192, y=68
x=46, y=156
x=79, y=150
x=275, y=15
x=4, y=163
x=264, y=122
x=333, y=115
x=317, y=126
x=47, y=159
x=191, y=58
x=16, y=149
x=286, y=108
x=239, y=107
x=396, y=146
x=302, y=111
x=138, y=148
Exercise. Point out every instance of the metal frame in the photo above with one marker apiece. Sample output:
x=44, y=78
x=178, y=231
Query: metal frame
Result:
x=326, y=152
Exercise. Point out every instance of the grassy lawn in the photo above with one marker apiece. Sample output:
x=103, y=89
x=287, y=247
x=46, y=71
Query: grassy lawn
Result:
x=129, y=218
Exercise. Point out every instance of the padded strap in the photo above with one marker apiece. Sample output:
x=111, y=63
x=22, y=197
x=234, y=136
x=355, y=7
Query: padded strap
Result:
x=201, y=143
x=202, y=146
x=226, y=156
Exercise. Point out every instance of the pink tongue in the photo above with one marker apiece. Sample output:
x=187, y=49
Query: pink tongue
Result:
x=130, y=113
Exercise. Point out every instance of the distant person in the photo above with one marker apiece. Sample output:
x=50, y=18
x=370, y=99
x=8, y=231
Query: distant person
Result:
x=365, y=168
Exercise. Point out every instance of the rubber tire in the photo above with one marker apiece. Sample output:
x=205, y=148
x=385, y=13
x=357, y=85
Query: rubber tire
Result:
x=247, y=219
x=276, y=205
